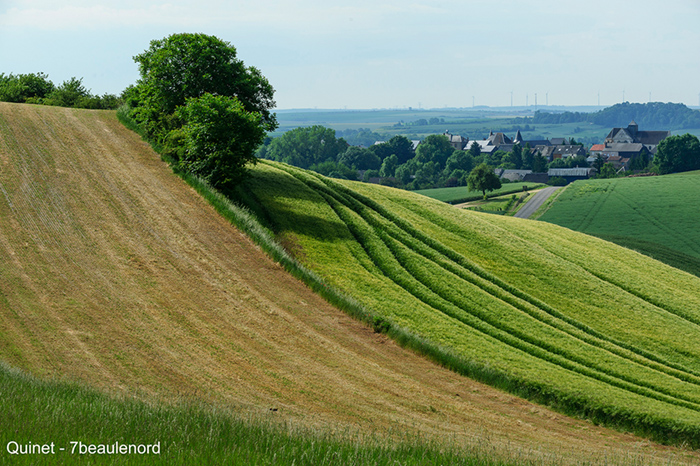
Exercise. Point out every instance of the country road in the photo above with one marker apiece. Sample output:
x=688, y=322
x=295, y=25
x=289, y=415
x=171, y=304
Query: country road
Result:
x=537, y=200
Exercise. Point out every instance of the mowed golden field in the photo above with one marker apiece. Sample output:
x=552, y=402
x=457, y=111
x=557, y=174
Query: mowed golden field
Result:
x=115, y=273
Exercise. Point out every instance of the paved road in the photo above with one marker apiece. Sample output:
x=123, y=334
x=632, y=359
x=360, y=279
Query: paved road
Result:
x=536, y=201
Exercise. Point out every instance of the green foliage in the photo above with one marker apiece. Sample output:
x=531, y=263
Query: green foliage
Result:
x=678, y=154
x=434, y=148
x=539, y=163
x=483, y=179
x=306, y=146
x=22, y=87
x=184, y=66
x=202, y=105
x=557, y=181
x=360, y=159
x=608, y=170
x=369, y=174
x=220, y=138
x=459, y=160
x=334, y=170
x=389, y=165
x=68, y=94
x=359, y=137
x=400, y=146
x=36, y=88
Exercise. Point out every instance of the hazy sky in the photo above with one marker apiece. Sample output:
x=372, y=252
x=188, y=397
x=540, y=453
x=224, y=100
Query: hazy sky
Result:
x=382, y=54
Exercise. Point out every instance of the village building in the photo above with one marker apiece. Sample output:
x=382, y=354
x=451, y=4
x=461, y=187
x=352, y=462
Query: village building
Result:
x=623, y=145
x=631, y=135
x=571, y=174
x=560, y=151
x=456, y=141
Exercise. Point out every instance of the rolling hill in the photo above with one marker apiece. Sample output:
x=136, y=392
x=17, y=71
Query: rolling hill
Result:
x=547, y=313
x=656, y=216
x=117, y=274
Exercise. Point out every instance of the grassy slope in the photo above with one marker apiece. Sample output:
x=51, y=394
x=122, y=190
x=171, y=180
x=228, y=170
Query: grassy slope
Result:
x=545, y=312
x=115, y=273
x=654, y=215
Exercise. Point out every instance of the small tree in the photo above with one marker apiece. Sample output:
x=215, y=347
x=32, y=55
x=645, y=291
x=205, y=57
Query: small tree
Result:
x=483, y=179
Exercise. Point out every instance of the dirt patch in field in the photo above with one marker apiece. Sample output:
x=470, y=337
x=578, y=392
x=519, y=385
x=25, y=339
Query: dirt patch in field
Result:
x=116, y=273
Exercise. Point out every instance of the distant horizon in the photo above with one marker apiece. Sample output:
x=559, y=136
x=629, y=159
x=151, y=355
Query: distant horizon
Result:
x=502, y=108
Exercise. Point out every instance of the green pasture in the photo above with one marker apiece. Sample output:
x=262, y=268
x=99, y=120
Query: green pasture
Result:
x=460, y=194
x=553, y=315
x=657, y=216
x=72, y=417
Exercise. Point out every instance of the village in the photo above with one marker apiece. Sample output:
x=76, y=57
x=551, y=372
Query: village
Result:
x=623, y=150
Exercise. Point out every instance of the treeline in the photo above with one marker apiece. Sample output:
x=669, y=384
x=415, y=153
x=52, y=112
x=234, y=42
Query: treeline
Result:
x=36, y=88
x=649, y=116
x=434, y=163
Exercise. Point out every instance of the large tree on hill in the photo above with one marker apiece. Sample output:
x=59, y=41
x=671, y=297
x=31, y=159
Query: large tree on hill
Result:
x=184, y=66
x=220, y=132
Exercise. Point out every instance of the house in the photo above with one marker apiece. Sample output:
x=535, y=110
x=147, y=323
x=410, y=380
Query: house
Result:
x=631, y=135
x=624, y=145
x=512, y=175
x=560, y=151
x=497, y=141
x=456, y=141
x=571, y=174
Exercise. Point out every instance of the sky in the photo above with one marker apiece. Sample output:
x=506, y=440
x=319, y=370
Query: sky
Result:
x=362, y=54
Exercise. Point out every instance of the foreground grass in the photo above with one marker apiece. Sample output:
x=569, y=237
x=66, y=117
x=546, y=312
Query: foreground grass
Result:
x=461, y=194
x=73, y=417
x=656, y=216
x=522, y=306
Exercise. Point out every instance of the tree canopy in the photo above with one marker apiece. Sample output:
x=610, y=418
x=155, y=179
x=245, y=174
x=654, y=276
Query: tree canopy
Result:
x=184, y=66
x=677, y=154
x=306, y=146
x=650, y=116
x=483, y=179
x=208, y=109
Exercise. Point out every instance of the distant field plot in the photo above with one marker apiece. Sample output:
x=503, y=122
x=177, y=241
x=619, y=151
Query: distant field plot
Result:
x=462, y=194
x=658, y=216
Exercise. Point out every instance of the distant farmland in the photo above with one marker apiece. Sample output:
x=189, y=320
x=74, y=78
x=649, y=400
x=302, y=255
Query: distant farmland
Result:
x=657, y=216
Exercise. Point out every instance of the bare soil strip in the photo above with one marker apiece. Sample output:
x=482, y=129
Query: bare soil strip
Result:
x=116, y=273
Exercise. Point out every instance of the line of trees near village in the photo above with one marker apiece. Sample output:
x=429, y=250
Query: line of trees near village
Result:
x=652, y=115
x=434, y=163
x=37, y=88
